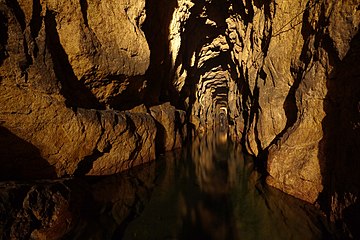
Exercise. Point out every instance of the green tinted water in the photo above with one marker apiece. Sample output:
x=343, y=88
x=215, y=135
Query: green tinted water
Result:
x=211, y=191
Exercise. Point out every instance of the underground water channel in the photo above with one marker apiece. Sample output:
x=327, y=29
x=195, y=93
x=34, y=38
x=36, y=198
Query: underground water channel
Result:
x=207, y=190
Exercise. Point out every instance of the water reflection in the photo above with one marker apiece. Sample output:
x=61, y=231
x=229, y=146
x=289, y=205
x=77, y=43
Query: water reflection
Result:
x=212, y=192
x=216, y=162
x=208, y=190
x=209, y=213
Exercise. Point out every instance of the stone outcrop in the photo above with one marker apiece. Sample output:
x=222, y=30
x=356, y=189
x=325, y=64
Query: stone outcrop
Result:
x=35, y=212
x=171, y=128
x=70, y=208
x=64, y=68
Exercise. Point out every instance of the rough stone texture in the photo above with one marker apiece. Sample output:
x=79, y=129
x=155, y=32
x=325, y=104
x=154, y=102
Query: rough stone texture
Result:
x=297, y=163
x=102, y=141
x=97, y=51
x=103, y=44
x=286, y=73
x=36, y=212
x=171, y=126
x=62, y=65
x=70, y=208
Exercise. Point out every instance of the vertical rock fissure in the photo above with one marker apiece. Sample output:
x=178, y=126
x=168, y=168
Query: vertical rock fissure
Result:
x=84, y=8
x=3, y=37
x=159, y=14
x=36, y=19
x=19, y=14
x=75, y=93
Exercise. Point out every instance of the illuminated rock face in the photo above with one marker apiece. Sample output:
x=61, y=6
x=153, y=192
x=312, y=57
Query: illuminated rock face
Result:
x=280, y=70
x=284, y=74
x=67, y=68
x=274, y=67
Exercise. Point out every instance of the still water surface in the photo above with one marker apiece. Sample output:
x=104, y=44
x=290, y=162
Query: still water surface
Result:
x=208, y=190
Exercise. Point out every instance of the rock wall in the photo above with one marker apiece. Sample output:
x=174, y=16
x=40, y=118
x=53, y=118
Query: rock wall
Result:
x=286, y=74
x=64, y=68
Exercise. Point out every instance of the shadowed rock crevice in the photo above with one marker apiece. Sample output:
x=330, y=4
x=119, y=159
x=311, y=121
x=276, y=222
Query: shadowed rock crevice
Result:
x=20, y=159
x=158, y=18
x=18, y=12
x=76, y=94
x=35, y=25
x=85, y=165
x=84, y=8
x=160, y=137
x=340, y=144
x=36, y=19
x=3, y=36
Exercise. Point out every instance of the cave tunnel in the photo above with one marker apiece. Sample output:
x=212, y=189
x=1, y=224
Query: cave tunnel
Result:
x=179, y=119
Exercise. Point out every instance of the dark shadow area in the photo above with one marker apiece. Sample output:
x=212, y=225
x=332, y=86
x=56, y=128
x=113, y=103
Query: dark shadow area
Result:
x=129, y=98
x=74, y=91
x=3, y=37
x=339, y=148
x=86, y=164
x=36, y=19
x=21, y=160
x=19, y=14
x=35, y=23
x=84, y=8
x=160, y=138
x=156, y=29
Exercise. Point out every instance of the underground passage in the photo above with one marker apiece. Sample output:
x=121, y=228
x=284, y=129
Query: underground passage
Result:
x=179, y=119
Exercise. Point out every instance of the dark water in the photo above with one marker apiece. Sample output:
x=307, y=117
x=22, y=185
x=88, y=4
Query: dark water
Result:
x=208, y=190
x=211, y=191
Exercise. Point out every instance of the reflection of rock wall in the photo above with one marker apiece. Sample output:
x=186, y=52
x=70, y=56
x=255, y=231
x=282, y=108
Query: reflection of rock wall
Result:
x=216, y=162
